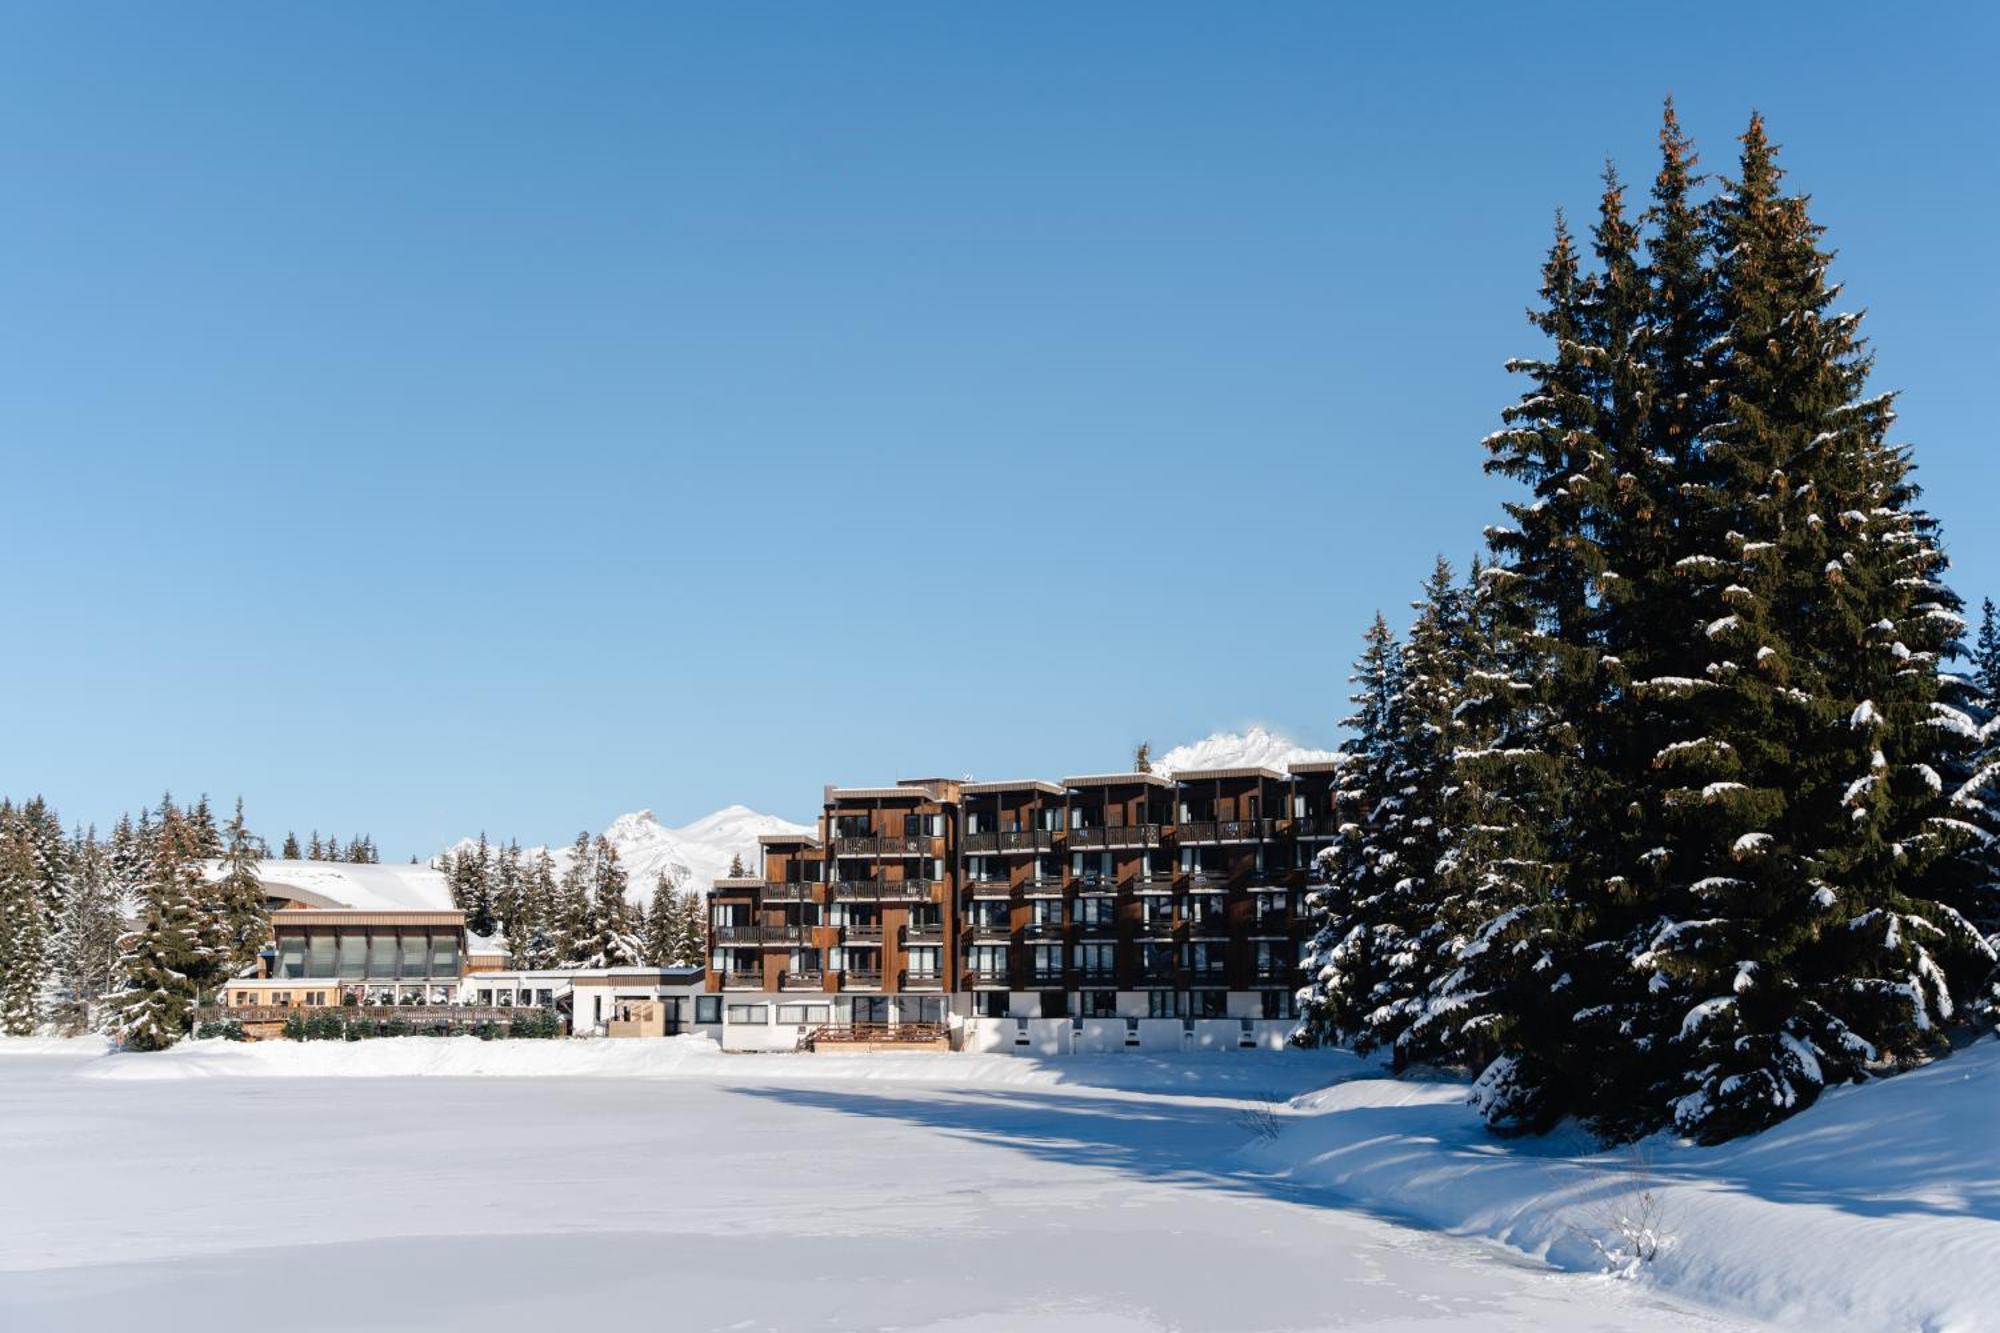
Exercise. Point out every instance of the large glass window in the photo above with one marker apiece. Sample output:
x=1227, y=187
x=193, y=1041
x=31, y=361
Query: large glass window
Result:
x=292, y=956
x=382, y=953
x=804, y=1014
x=320, y=955
x=415, y=950
x=353, y=964
x=444, y=955
x=925, y=963
x=708, y=1008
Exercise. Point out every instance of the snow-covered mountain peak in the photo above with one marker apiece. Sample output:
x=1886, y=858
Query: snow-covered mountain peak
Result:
x=1255, y=748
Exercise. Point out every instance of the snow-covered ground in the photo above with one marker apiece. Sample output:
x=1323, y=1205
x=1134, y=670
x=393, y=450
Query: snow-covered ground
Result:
x=447, y=1184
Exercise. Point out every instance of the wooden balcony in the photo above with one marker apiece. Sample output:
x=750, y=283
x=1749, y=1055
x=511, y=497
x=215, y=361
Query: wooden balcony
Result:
x=1048, y=886
x=762, y=935
x=990, y=977
x=1156, y=929
x=743, y=980
x=885, y=890
x=989, y=934
x=992, y=888
x=862, y=934
x=1042, y=930
x=1153, y=881
x=861, y=978
x=1124, y=835
x=803, y=979
x=1226, y=830
x=1044, y=977
x=798, y=891
x=1316, y=826
x=1029, y=840
x=882, y=845
x=920, y=981
x=1210, y=881
x=925, y=933
x=1272, y=923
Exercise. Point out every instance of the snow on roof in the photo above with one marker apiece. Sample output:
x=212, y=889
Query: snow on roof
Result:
x=371, y=888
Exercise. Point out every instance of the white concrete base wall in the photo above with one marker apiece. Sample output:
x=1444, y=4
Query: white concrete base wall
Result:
x=1093, y=1036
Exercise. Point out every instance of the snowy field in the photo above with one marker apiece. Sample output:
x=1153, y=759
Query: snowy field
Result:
x=455, y=1184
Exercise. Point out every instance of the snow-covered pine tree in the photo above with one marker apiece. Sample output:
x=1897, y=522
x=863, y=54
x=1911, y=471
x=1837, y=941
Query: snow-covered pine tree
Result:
x=291, y=847
x=612, y=941
x=92, y=924
x=246, y=924
x=1345, y=962
x=315, y=851
x=663, y=924
x=201, y=825
x=692, y=946
x=24, y=942
x=1814, y=957
x=166, y=961
x=128, y=864
x=569, y=922
x=476, y=895
x=736, y=868
x=538, y=947
x=509, y=891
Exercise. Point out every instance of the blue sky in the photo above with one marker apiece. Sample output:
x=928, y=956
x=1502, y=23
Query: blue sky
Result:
x=427, y=418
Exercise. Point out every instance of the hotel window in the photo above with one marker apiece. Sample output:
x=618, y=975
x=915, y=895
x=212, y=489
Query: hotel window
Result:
x=754, y=1015
x=987, y=958
x=282, y=999
x=415, y=950
x=1097, y=1004
x=921, y=1009
x=444, y=955
x=292, y=956
x=924, y=962
x=803, y=1015
x=320, y=955
x=1280, y=1004
x=1047, y=960
x=1096, y=960
x=989, y=1004
x=382, y=955
x=708, y=1009
x=1049, y=819
x=353, y=964
x=1047, y=911
x=1211, y=1004
x=1164, y=1004
x=803, y=960
x=1096, y=911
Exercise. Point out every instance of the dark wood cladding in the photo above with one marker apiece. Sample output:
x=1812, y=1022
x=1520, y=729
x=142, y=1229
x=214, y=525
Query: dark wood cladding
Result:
x=1116, y=883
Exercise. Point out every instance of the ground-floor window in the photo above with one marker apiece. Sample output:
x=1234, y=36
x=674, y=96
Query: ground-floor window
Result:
x=923, y=1009
x=1165, y=1004
x=805, y=1015
x=754, y=1014
x=708, y=1008
x=1211, y=1004
x=1097, y=1004
x=989, y=1004
x=1280, y=1004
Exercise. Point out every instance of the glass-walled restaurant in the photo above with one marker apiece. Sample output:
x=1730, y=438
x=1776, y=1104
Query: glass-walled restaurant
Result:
x=372, y=957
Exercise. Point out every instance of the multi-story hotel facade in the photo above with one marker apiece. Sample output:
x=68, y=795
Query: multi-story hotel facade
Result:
x=1095, y=912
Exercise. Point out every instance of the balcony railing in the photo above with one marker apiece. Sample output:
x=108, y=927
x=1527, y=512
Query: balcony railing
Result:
x=986, y=976
x=1099, y=929
x=1226, y=830
x=1153, y=881
x=1042, y=930
x=1123, y=835
x=1315, y=826
x=861, y=978
x=882, y=844
x=883, y=890
x=920, y=981
x=1269, y=973
x=1047, y=977
x=765, y=935
x=1210, y=925
x=1097, y=976
x=862, y=934
x=1156, y=929
x=1205, y=879
x=1043, y=886
x=992, y=888
x=1272, y=923
x=797, y=891
x=929, y=932
x=1094, y=883
x=1029, y=840
x=743, y=980
x=803, y=979
x=985, y=933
